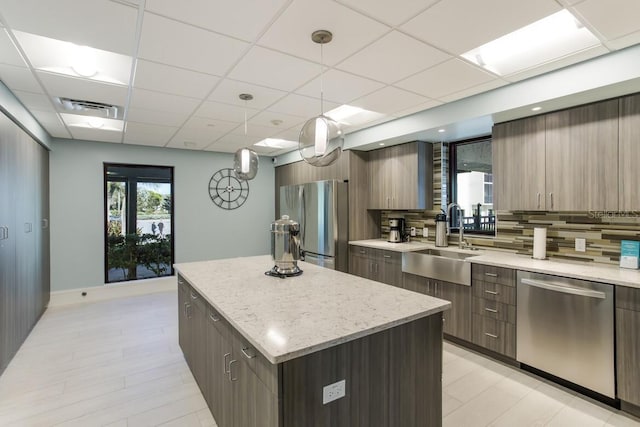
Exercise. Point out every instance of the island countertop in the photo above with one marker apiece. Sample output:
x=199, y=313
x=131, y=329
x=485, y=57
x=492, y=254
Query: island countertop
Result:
x=288, y=318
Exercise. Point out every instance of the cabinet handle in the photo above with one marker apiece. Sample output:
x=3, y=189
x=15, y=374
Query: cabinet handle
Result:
x=551, y=197
x=3, y=233
x=214, y=318
x=230, y=374
x=180, y=282
x=490, y=310
x=28, y=227
x=491, y=292
x=224, y=363
x=538, y=196
x=188, y=309
x=491, y=274
x=387, y=256
x=194, y=297
x=45, y=223
x=362, y=251
x=388, y=204
x=491, y=335
x=247, y=355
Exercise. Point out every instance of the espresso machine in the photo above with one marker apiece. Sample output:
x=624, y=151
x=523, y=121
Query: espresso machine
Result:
x=397, y=232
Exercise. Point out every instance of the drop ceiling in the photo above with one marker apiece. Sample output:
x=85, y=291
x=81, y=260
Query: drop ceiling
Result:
x=189, y=60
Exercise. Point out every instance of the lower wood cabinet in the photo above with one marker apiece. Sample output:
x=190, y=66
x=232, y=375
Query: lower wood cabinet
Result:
x=393, y=377
x=628, y=344
x=376, y=264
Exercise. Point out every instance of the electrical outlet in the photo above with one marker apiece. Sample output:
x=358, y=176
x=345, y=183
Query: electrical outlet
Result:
x=333, y=391
x=425, y=232
x=581, y=245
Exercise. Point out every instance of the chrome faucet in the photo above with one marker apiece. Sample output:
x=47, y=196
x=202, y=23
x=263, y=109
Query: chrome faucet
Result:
x=460, y=225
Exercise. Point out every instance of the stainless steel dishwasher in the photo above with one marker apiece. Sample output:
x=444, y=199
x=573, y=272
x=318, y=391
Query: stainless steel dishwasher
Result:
x=565, y=327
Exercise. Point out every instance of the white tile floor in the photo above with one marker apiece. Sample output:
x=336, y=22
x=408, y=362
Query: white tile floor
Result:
x=117, y=363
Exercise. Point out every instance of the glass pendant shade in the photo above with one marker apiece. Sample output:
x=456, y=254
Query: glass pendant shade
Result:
x=321, y=141
x=245, y=164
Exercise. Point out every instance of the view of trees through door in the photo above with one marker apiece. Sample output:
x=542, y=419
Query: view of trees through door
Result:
x=139, y=222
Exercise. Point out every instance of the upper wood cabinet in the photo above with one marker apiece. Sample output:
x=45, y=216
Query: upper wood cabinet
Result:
x=518, y=149
x=629, y=153
x=561, y=161
x=582, y=158
x=400, y=177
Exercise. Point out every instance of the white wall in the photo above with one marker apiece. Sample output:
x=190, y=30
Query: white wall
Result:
x=202, y=230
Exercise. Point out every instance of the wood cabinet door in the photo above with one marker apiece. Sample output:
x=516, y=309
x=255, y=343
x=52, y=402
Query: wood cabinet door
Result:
x=198, y=342
x=582, y=158
x=518, y=149
x=403, y=171
x=379, y=184
x=183, y=317
x=629, y=146
x=457, y=320
x=219, y=389
x=628, y=354
x=390, y=268
x=359, y=261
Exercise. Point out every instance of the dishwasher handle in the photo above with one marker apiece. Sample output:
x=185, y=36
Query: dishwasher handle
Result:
x=566, y=289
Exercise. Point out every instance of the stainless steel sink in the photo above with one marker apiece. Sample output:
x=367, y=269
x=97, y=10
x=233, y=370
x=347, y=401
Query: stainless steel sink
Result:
x=448, y=266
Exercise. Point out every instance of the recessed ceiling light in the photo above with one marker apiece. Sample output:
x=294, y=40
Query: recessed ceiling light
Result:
x=69, y=59
x=276, y=143
x=546, y=40
x=382, y=143
x=536, y=109
x=440, y=130
x=354, y=116
x=95, y=123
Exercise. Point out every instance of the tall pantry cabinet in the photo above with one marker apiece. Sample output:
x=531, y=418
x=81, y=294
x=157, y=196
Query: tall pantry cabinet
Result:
x=24, y=236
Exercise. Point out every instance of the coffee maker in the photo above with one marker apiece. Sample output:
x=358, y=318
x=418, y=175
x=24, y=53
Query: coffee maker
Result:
x=397, y=232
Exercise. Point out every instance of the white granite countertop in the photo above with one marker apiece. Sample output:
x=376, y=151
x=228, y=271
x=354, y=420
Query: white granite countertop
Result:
x=578, y=270
x=288, y=318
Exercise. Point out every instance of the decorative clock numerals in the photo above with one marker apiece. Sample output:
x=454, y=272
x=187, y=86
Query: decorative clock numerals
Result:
x=227, y=191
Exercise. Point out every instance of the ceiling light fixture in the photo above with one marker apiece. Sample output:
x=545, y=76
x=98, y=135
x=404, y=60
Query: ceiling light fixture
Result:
x=536, y=109
x=245, y=161
x=84, y=61
x=276, y=143
x=321, y=138
x=548, y=39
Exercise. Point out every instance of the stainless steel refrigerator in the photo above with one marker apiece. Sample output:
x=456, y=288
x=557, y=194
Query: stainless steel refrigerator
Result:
x=322, y=209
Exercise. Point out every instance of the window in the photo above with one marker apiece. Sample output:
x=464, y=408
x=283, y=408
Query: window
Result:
x=472, y=185
x=138, y=222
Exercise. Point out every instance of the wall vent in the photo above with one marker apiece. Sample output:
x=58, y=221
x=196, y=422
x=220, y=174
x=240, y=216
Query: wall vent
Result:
x=89, y=108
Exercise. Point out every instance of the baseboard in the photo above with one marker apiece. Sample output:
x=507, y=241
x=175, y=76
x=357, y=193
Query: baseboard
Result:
x=112, y=291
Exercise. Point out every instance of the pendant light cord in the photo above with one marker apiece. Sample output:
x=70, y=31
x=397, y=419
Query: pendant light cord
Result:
x=321, y=79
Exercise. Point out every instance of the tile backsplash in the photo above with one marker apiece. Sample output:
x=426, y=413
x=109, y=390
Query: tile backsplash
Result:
x=603, y=232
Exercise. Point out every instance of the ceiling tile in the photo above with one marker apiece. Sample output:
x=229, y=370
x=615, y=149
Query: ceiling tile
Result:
x=150, y=100
x=228, y=91
x=198, y=126
x=8, y=52
x=174, y=43
x=176, y=81
x=484, y=87
x=195, y=139
x=100, y=24
x=231, y=142
x=52, y=123
x=457, y=26
x=222, y=16
x=19, y=78
x=446, y=78
x=301, y=106
x=611, y=18
x=339, y=87
x=96, y=135
x=274, y=69
x=219, y=111
x=389, y=100
x=155, y=117
x=417, y=108
x=392, y=58
x=563, y=62
x=624, y=41
x=271, y=120
x=75, y=88
x=255, y=131
x=291, y=33
x=292, y=134
x=35, y=101
x=392, y=13
x=148, y=134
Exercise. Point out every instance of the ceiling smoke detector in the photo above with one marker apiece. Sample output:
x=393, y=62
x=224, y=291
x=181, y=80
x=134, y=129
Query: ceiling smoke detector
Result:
x=89, y=108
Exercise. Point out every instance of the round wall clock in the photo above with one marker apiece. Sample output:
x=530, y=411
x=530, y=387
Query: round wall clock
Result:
x=227, y=191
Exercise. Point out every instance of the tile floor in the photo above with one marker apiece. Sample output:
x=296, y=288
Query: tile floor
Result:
x=117, y=363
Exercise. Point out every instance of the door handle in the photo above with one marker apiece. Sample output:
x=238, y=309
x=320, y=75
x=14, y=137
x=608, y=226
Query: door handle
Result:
x=230, y=374
x=490, y=310
x=563, y=288
x=490, y=335
x=247, y=355
x=491, y=274
x=224, y=363
x=490, y=292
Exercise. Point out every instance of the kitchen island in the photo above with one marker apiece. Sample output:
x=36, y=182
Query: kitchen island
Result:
x=263, y=349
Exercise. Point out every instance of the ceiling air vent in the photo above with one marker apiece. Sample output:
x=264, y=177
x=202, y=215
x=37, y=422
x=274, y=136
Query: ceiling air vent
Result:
x=89, y=108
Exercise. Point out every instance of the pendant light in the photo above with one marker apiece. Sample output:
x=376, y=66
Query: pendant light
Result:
x=245, y=161
x=321, y=139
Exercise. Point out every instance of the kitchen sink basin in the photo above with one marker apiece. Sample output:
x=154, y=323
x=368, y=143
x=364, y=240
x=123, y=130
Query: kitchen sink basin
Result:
x=448, y=266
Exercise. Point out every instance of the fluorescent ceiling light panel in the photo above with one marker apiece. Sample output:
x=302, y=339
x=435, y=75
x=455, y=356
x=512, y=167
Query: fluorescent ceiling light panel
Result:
x=352, y=116
x=276, y=143
x=546, y=40
x=69, y=59
x=89, y=122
